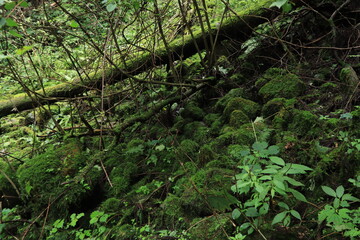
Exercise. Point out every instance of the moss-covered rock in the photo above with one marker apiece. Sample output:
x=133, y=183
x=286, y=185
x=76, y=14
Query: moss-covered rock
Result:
x=193, y=112
x=304, y=123
x=248, y=107
x=278, y=83
x=110, y=205
x=211, y=228
x=222, y=102
x=238, y=118
x=275, y=105
x=187, y=151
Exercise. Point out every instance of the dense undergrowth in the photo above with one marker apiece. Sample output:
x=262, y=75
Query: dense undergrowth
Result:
x=268, y=148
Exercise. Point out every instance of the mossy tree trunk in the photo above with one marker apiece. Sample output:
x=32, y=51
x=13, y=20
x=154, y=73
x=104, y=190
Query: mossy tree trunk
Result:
x=237, y=27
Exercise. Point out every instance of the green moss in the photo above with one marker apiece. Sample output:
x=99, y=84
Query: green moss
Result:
x=43, y=177
x=222, y=102
x=193, y=112
x=304, y=123
x=211, y=228
x=210, y=118
x=279, y=83
x=248, y=107
x=206, y=154
x=110, y=205
x=275, y=105
x=238, y=78
x=238, y=118
x=187, y=150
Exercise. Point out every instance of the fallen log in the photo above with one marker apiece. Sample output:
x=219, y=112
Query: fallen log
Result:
x=239, y=27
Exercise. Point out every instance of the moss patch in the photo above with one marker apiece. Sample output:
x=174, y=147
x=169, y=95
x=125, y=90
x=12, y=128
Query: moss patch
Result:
x=279, y=83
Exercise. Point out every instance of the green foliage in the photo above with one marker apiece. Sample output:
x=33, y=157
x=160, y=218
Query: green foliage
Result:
x=265, y=177
x=278, y=83
x=338, y=215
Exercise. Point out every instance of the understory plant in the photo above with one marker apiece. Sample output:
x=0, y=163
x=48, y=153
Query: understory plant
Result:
x=266, y=184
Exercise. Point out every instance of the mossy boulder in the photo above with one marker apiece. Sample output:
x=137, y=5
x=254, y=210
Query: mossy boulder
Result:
x=111, y=205
x=304, y=123
x=222, y=102
x=238, y=118
x=248, y=107
x=44, y=177
x=216, y=227
x=192, y=111
x=275, y=105
x=187, y=151
x=278, y=83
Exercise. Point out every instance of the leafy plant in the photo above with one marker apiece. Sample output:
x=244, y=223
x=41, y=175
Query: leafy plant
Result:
x=338, y=216
x=264, y=179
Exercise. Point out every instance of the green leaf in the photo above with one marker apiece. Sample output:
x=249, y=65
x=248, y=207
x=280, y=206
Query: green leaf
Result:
x=73, y=24
x=28, y=188
x=286, y=7
x=349, y=197
x=340, y=191
x=2, y=22
x=259, y=146
x=244, y=226
x=295, y=214
x=273, y=150
x=283, y=205
x=15, y=33
x=23, y=50
x=264, y=209
x=10, y=5
x=235, y=214
x=336, y=203
x=111, y=7
x=298, y=195
x=277, y=160
x=279, y=184
x=278, y=3
x=293, y=181
x=160, y=147
x=10, y=22
x=251, y=212
x=279, y=217
x=329, y=191
x=24, y=4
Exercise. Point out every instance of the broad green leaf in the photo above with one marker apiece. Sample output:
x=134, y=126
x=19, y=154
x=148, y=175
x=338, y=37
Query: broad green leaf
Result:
x=293, y=181
x=349, y=197
x=264, y=209
x=10, y=5
x=251, y=212
x=2, y=22
x=259, y=146
x=245, y=226
x=278, y=3
x=279, y=184
x=329, y=191
x=269, y=171
x=279, y=217
x=273, y=150
x=23, y=3
x=111, y=7
x=73, y=24
x=28, y=188
x=15, y=33
x=283, y=205
x=10, y=22
x=235, y=214
x=295, y=214
x=286, y=7
x=287, y=221
x=277, y=160
x=23, y=50
x=340, y=191
x=298, y=195
x=160, y=147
